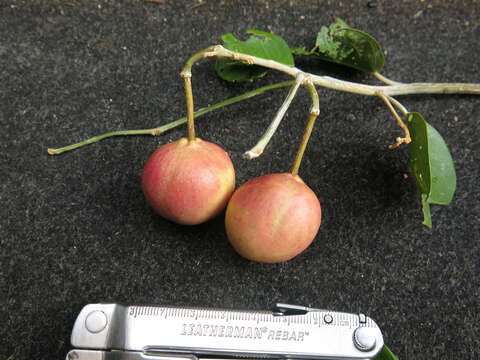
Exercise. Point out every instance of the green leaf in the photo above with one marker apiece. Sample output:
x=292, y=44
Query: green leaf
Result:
x=235, y=71
x=427, y=216
x=344, y=45
x=301, y=50
x=260, y=44
x=431, y=164
x=385, y=354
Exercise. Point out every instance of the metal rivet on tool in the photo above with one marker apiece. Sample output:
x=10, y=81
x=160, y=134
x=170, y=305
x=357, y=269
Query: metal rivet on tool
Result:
x=328, y=319
x=364, y=339
x=96, y=321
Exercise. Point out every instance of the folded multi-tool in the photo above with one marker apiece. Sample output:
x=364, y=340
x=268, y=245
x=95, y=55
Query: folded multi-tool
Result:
x=117, y=332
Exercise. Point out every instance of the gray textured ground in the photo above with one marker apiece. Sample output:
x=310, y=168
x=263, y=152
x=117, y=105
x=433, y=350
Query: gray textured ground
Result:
x=75, y=229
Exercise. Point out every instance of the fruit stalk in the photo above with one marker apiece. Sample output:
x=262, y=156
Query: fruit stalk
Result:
x=186, y=75
x=187, y=82
x=312, y=117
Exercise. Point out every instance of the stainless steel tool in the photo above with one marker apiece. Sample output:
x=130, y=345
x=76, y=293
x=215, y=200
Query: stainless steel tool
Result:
x=117, y=332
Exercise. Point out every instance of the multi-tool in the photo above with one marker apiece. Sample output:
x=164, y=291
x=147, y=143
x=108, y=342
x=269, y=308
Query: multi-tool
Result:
x=117, y=332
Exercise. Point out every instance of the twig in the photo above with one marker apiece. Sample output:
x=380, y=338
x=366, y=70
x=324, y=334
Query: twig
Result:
x=324, y=81
x=166, y=127
x=399, y=140
x=258, y=149
x=219, y=51
x=385, y=79
x=399, y=106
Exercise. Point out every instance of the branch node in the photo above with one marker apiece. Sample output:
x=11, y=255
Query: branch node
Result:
x=301, y=78
x=315, y=107
x=213, y=51
x=249, y=60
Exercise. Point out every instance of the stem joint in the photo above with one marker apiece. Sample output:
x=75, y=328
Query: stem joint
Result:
x=186, y=74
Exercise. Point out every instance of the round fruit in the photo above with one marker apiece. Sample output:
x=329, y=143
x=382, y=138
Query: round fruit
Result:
x=272, y=218
x=188, y=182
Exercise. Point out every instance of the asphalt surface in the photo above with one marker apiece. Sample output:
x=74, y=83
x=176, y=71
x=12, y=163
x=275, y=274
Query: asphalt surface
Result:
x=75, y=229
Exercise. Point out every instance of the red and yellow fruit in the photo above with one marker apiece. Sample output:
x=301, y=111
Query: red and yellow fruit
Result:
x=188, y=182
x=272, y=218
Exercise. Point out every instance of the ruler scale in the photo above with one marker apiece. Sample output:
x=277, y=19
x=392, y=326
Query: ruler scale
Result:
x=117, y=332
